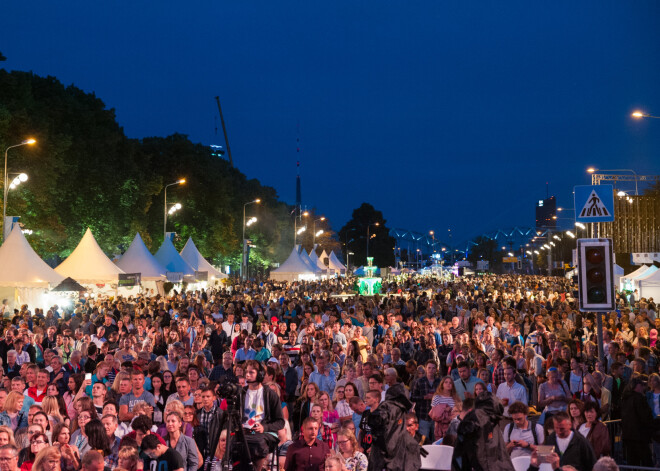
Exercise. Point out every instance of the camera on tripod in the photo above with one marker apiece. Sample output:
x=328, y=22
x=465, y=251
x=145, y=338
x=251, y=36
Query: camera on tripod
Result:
x=230, y=392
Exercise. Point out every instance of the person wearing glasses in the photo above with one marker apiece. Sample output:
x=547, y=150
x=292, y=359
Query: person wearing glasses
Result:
x=8, y=458
x=38, y=442
x=347, y=444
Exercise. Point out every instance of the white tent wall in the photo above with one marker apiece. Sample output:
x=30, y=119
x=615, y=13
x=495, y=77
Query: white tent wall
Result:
x=649, y=286
x=293, y=269
x=626, y=280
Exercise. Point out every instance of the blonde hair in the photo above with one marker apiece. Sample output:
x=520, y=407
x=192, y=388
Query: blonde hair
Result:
x=175, y=406
x=122, y=375
x=337, y=459
x=51, y=407
x=12, y=398
x=350, y=435
x=10, y=432
x=48, y=453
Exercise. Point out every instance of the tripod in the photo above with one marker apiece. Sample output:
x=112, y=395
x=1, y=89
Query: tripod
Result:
x=232, y=422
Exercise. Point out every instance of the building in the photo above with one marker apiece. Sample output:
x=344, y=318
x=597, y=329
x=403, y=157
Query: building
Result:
x=546, y=213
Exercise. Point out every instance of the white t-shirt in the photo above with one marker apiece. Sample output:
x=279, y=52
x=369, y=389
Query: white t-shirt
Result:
x=253, y=413
x=562, y=443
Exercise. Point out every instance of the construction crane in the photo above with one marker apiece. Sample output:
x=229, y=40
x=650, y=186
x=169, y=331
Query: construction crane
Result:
x=224, y=131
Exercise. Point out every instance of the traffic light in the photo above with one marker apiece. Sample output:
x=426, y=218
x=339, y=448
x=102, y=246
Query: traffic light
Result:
x=595, y=275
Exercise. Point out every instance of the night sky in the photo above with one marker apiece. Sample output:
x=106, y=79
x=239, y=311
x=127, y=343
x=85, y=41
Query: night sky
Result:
x=441, y=114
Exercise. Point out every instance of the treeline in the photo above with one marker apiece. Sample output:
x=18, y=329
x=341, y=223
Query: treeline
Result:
x=84, y=172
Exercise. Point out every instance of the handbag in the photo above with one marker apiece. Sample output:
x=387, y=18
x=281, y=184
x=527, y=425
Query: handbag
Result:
x=441, y=415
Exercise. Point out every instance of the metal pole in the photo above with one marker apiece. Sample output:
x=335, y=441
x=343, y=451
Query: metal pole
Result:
x=243, y=244
x=549, y=253
x=165, y=215
x=601, y=351
x=368, y=226
x=4, y=196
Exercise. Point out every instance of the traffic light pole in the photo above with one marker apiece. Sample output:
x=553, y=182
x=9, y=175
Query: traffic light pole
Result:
x=599, y=327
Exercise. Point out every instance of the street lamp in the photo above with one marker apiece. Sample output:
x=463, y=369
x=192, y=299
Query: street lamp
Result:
x=368, y=235
x=5, y=188
x=593, y=170
x=316, y=234
x=348, y=265
x=243, y=260
x=19, y=178
x=178, y=182
x=297, y=232
x=640, y=114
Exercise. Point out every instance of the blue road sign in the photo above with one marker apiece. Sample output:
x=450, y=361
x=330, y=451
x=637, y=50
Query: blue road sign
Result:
x=594, y=203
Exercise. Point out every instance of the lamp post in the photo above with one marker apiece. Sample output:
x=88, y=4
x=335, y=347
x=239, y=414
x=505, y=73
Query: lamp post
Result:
x=348, y=264
x=322, y=218
x=5, y=183
x=640, y=114
x=368, y=235
x=244, y=260
x=178, y=182
x=592, y=170
x=296, y=231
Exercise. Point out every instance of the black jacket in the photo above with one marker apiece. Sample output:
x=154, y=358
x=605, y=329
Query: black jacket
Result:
x=480, y=443
x=637, y=421
x=393, y=448
x=578, y=454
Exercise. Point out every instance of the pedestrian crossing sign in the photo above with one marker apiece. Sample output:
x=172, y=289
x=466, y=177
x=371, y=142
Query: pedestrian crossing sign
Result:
x=594, y=203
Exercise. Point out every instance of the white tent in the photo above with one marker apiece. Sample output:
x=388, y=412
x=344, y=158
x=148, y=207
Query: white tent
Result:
x=191, y=255
x=625, y=280
x=138, y=259
x=172, y=261
x=649, y=286
x=24, y=277
x=315, y=260
x=336, y=265
x=325, y=259
x=308, y=261
x=649, y=272
x=293, y=269
x=87, y=264
x=618, y=274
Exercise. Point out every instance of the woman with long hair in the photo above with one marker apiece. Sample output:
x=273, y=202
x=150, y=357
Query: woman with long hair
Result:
x=160, y=397
x=218, y=459
x=70, y=454
x=184, y=445
x=74, y=385
x=51, y=407
x=445, y=405
x=38, y=442
x=576, y=411
x=594, y=430
x=12, y=415
x=330, y=415
x=343, y=407
x=169, y=385
x=86, y=414
x=128, y=458
x=98, y=440
x=347, y=444
x=307, y=399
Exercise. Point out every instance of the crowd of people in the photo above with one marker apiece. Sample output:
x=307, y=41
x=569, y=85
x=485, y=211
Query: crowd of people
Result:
x=308, y=375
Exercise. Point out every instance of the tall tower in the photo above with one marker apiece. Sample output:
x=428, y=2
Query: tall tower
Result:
x=298, y=193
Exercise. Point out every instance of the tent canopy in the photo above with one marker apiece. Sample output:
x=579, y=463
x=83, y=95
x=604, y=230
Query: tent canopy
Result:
x=69, y=284
x=191, y=255
x=88, y=264
x=308, y=261
x=317, y=263
x=335, y=264
x=138, y=259
x=21, y=267
x=293, y=268
x=171, y=260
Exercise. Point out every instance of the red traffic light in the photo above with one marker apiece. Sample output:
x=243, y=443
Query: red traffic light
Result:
x=595, y=255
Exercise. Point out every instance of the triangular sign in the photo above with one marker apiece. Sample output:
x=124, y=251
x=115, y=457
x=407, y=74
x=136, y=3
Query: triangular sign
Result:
x=594, y=207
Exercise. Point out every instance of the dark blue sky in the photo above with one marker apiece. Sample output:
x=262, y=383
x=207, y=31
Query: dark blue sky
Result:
x=440, y=114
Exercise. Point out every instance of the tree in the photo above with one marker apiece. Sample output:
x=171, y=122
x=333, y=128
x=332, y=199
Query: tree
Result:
x=84, y=172
x=485, y=248
x=353, y=236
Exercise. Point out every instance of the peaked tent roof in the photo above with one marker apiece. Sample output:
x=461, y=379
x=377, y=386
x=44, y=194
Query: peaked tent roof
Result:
x=323, y=256
x=647, y=274
x=291, y=268
x=315, y=260
x=308, y=261
x=335, y=264
x=21, y=267
x=138, y=259
x=637, y=272
x=171, y=260
x=191, y=255
x=88, y=264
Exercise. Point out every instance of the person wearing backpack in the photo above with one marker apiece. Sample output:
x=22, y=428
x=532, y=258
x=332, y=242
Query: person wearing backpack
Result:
x=521, y=436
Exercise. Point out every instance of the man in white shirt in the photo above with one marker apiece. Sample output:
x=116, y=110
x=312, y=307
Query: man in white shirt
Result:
x=509, y=391
x=228, y=325
x=521, y=436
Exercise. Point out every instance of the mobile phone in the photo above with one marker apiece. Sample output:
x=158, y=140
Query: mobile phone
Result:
x=88, y=376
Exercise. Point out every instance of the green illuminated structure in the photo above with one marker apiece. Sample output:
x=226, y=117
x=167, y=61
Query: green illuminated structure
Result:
x=368, y=285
